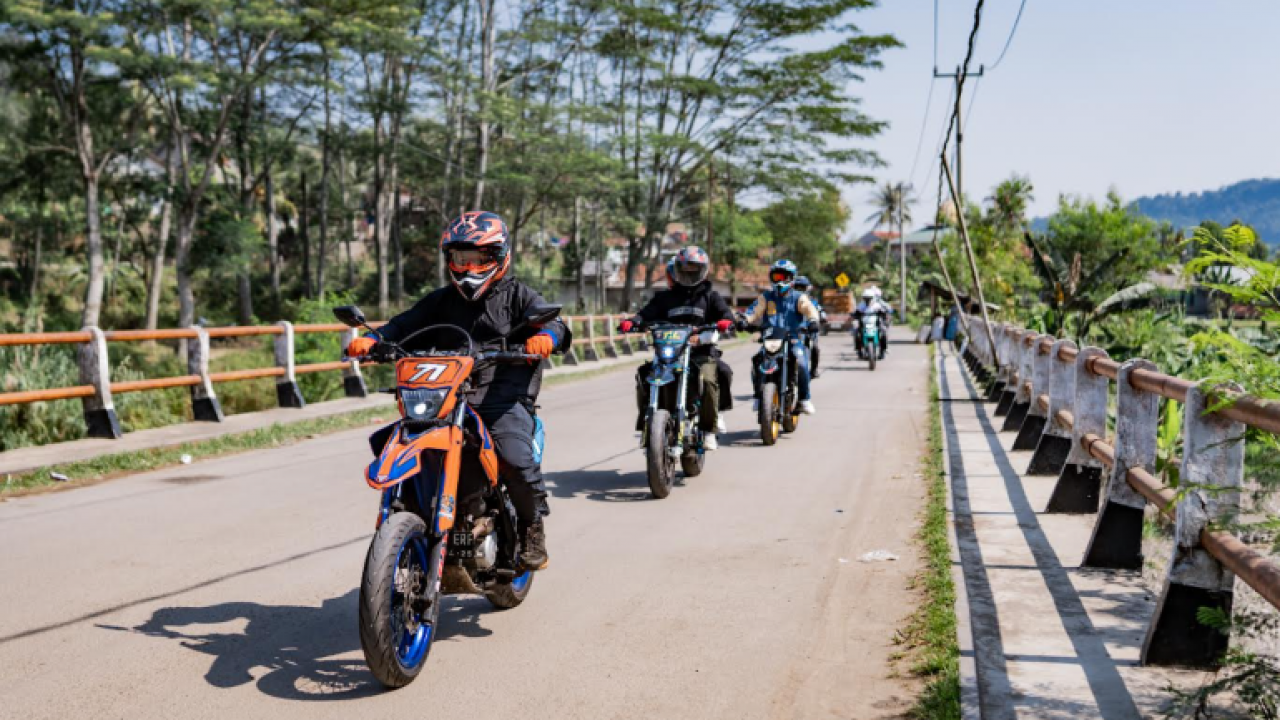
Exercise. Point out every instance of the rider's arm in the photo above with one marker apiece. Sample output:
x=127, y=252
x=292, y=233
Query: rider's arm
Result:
x=525, y=298
x=755, y=313
x=808, y=309
x=655, y=310
x=717, y=308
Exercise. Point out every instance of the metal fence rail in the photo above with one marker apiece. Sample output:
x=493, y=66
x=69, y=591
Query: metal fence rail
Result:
x=97, y=390
x=1057, y=398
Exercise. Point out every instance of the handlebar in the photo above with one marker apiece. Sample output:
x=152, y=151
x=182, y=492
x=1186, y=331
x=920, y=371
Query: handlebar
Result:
x=646, y=327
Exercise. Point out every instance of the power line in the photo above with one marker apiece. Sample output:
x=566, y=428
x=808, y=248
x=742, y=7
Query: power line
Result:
x=1007, y=42
x=924, y=125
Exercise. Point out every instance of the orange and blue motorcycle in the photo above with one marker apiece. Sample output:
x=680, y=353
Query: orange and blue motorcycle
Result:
x=445, y=524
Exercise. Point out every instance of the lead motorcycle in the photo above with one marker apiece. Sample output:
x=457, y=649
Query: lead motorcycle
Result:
x=445, y=524
x=671, y=429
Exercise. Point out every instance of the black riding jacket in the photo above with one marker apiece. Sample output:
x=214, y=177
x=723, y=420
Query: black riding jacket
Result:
x=696, y=305
x=488, y=320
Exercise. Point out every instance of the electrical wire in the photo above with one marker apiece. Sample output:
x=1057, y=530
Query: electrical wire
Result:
x=924, y=125
x=1007, y=42
x=964, y=72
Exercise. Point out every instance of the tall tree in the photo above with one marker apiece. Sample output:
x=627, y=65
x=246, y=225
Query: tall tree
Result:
x=66, y=48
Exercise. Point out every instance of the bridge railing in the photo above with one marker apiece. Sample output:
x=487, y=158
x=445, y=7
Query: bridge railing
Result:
x=96, y=389
x=1057, y=398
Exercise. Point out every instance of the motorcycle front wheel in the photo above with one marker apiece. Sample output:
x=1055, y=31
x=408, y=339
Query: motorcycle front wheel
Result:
x=871, y=359
x=662, y=467
x=400, y=599
x=769, y=410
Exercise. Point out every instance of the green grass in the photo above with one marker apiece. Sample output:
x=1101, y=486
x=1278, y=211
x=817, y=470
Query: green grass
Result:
x=931, y=631
x=108, y=466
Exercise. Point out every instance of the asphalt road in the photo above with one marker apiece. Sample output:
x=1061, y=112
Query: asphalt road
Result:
x=227, y=588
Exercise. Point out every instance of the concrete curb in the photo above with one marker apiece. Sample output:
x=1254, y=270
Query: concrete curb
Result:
x=970, y=708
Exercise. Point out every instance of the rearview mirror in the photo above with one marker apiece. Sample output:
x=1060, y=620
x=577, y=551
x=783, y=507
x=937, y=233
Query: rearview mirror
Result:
x=542, y=314
x=350, y=316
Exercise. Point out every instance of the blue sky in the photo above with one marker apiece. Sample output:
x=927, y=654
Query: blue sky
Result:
x=1146, y=96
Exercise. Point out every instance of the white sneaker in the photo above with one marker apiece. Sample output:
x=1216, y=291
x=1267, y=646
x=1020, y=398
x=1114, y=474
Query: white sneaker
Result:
x=806, y=407
x=755, y=405
x=709, y=442
x=721, y=428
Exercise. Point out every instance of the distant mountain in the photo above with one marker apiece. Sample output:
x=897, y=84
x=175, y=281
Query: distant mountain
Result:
x=1254, y=202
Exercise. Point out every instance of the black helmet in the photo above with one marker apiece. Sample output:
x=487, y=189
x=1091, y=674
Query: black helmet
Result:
x=690, y=266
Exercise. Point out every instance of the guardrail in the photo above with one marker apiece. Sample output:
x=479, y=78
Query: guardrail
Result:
x=97, y=390
x=1057, y=398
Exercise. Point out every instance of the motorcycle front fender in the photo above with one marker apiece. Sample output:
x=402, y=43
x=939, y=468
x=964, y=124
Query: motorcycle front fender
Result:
x=663, y=374
x=401, y=457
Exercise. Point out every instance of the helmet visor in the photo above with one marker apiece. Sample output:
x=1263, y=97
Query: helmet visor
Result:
x=778, y=275
x=473, y=259
x=689, y=273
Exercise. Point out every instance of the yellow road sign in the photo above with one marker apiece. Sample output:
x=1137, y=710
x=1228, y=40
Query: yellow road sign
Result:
x=842, y=280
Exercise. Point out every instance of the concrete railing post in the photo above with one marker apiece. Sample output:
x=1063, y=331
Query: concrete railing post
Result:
x=1212, y=473
x=1037, y=416
x=1009, y=356
x=997, y=372
x=1081, y=478
x=592, y=353
x=610, y=346
x=288, y=394
x=570, y=356
x=353, y=384
x=1022, y=396
x=204, y=401
x=100, y=417
x=624, y=339
x=1117, y=534
x=1055, y=442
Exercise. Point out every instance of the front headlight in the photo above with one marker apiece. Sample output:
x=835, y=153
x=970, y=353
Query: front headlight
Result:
x=666, y=352
x=423, y=403
x=772, y=346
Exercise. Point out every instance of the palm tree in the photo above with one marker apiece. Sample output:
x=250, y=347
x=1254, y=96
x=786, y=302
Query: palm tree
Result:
x=893, y=205
x=1009, y=203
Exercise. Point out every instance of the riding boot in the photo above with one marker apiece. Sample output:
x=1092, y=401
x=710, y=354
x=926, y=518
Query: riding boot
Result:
x=533, y=555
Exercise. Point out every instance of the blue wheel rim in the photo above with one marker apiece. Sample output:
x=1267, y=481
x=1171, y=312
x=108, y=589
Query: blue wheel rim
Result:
x=411, y=648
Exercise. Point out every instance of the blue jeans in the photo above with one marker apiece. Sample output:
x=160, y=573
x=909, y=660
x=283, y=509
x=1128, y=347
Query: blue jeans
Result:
x=802, y=365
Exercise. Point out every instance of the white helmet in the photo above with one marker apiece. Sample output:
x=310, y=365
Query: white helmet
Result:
x=870, y=293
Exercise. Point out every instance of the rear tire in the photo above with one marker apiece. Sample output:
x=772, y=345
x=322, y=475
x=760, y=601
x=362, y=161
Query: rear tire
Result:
x=662, y=467
x=769, y=426
x=691, y=462
x=790, y=421
x=513, y=593
x=401, y=545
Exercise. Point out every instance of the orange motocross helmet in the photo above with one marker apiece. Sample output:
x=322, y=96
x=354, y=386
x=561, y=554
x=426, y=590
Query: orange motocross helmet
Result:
x=477, y=248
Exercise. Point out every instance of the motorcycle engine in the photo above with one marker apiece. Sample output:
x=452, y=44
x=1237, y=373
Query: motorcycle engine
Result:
x=486, y=553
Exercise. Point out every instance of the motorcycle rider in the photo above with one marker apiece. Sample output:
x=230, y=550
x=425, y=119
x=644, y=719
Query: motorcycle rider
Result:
x=487, y=301
x=872, y=304
x=690, y=300
x=803, y=285
x=783, y=307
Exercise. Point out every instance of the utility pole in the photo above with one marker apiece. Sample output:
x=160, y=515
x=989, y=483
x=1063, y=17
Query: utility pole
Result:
x=711, y=195
x=973, y=264
x=959, y=76
x=902, y=255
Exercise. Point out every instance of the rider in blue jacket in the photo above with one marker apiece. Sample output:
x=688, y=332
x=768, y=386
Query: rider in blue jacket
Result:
x=783, y=306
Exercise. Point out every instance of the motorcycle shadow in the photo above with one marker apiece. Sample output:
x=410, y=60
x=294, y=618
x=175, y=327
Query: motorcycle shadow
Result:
x=600, y=485
x=293, y=652
x=741, y=438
